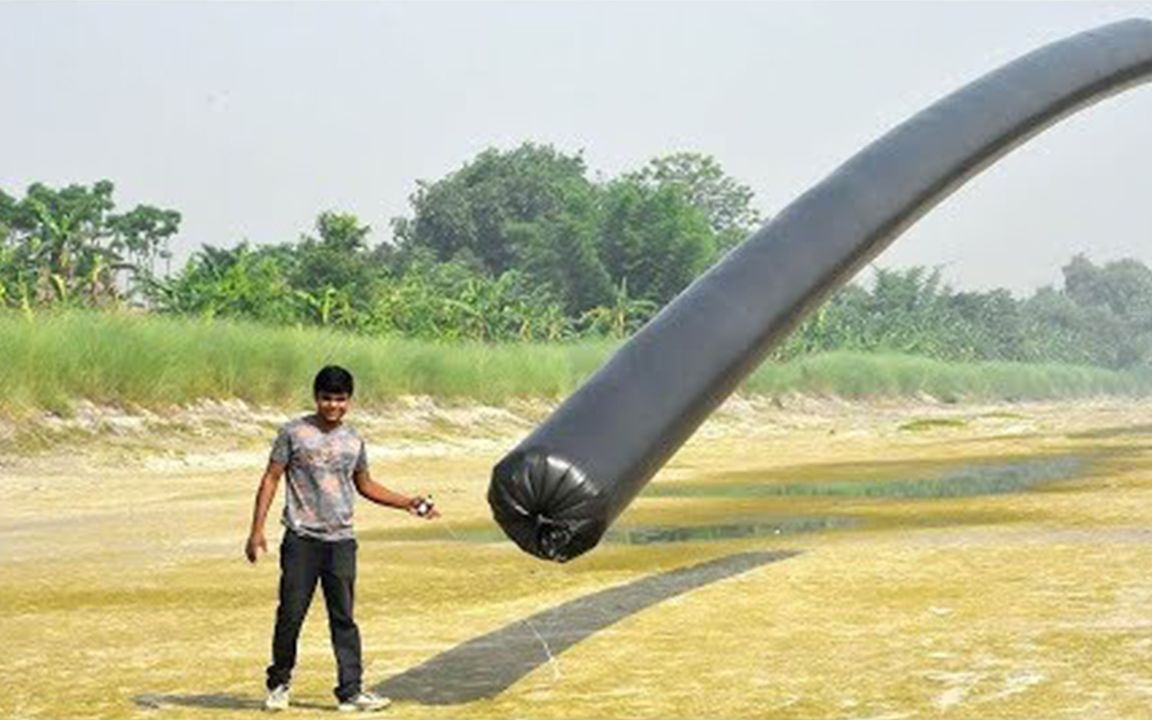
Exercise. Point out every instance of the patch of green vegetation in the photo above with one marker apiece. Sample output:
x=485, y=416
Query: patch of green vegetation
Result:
x=640, y=534
x=1003, y=415
x=749, y=528
x=922, y=424
x=130, y=360
x=864, y=375
x=964, y=480
x=120, y=359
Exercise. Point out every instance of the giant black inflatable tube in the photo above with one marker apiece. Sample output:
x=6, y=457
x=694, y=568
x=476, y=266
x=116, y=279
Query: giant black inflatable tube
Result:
x=557, y=492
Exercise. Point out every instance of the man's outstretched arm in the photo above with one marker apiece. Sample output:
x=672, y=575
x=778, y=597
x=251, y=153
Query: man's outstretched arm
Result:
x=264, y=496
x=381, y=495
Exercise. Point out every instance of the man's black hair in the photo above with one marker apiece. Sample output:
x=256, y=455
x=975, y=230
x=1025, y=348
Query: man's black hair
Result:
x=334, y=380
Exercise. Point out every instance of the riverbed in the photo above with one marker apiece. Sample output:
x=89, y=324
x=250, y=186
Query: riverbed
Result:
x=797, y=559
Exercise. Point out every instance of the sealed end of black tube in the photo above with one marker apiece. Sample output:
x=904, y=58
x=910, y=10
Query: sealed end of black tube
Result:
x=547, y=505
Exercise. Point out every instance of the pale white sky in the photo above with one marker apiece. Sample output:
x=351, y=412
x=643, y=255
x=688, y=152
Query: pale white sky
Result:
x=253, y=118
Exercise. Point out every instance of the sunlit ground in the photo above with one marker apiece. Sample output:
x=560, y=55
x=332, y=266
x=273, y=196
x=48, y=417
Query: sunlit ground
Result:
x=124, y=592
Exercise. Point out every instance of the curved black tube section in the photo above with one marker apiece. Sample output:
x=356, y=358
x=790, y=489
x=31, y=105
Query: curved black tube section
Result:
x=561, y=488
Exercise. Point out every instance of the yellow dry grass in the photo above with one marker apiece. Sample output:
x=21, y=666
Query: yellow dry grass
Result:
x=124, y=577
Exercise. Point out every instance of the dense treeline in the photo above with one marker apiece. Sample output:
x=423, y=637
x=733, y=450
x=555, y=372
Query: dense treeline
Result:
x=1101, y=316
x=66, y=247
x=523, y=245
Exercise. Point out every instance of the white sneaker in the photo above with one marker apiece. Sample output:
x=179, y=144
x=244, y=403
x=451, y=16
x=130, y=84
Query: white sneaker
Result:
x=364, y=702
x=277, y=699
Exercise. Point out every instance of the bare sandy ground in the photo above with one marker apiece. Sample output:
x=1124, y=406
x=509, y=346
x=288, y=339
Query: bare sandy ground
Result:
x=125, y=593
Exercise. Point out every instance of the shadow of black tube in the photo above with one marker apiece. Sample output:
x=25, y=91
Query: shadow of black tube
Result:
x=485, y=666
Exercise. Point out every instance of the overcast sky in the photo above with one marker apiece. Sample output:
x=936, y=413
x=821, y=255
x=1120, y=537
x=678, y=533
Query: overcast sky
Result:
x=253, y=118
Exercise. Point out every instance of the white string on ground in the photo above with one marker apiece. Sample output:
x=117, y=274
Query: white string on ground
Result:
x=556, y=674
x=451, y=532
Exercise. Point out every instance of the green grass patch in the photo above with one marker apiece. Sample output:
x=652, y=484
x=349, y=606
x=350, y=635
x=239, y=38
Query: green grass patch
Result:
x=52, y=360
x=865, y=375
x=959, y=481
x=630, y=534
x=922, y=424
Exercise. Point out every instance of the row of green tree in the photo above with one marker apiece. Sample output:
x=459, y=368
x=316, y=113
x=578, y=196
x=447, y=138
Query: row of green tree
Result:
x=69, y=247
x=1102, y=315
x=515, y=244
x=522, y=244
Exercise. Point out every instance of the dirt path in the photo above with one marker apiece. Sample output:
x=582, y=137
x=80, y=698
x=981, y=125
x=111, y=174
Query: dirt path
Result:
x=124, y=592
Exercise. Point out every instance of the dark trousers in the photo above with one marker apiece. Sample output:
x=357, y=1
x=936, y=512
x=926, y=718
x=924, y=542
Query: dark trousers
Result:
x=303, y=561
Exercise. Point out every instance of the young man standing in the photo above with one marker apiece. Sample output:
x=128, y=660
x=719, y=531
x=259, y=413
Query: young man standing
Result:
x=326, y=464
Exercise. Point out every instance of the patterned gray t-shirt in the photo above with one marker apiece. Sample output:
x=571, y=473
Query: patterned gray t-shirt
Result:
x=320, y=489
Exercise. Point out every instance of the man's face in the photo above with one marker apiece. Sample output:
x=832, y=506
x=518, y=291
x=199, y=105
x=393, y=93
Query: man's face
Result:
x=332, y=406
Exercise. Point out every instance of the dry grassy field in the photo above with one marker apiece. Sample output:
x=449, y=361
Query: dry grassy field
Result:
x=944, y=561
